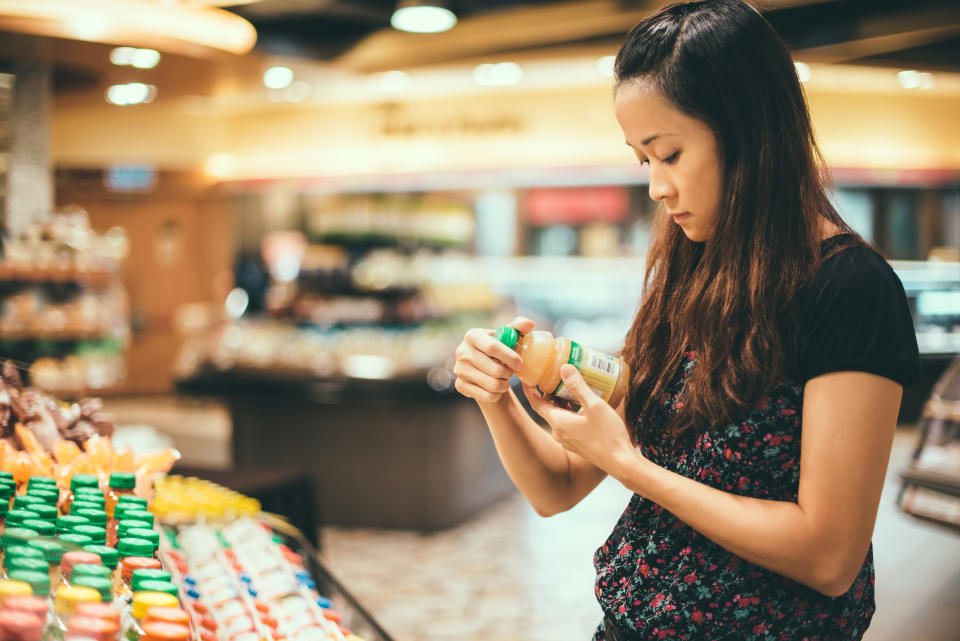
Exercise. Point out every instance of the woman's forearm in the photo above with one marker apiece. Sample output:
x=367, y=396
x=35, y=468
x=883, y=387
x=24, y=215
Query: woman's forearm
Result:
x=773, y=534
x=537, y=464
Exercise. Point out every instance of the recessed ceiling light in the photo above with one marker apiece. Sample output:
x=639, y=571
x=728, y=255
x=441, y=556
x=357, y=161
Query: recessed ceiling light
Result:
x=145, y=59
x=423, y=16
x=913, y=79
x=500, y=74
x=277, y=77
x=131, y=93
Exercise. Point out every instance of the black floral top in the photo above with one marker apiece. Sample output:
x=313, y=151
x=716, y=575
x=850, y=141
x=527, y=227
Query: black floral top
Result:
x=658, y=578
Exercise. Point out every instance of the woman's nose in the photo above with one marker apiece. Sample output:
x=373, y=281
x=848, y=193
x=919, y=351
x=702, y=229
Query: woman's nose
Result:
x=660, y=188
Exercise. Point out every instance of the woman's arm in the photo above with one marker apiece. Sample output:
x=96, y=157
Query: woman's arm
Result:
x=552, y=479
x=849, y=419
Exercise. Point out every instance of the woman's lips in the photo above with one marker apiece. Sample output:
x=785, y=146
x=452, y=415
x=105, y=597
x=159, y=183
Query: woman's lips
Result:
x=680, y=217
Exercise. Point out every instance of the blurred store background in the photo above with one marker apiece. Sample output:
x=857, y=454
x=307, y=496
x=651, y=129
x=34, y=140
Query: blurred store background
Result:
x=259, y=229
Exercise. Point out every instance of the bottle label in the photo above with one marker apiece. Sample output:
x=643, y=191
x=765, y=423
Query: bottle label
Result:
x=599, y=370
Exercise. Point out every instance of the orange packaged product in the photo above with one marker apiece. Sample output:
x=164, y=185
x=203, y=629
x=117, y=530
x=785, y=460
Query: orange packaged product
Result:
x=543, y=356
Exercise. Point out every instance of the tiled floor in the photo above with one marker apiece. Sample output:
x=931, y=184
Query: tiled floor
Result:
x=509, y=575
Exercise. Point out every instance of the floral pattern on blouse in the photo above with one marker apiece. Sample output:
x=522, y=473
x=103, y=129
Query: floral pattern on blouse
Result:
x=658, y=578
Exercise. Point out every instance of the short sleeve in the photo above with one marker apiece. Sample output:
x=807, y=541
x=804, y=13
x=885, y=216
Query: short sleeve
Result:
x=856, y=318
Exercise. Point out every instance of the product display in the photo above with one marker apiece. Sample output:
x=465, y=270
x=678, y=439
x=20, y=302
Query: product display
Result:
x=931, y=485
x=63, y=307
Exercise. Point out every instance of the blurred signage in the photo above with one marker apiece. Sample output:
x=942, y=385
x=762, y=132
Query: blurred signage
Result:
x=395, y=123
x=125, y=178
x=576, y=206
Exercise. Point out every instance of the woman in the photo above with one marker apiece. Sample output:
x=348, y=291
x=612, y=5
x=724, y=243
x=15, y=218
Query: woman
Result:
x=768, y=358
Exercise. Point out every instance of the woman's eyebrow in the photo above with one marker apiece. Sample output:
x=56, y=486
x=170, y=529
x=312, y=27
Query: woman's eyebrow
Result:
x=649, y=140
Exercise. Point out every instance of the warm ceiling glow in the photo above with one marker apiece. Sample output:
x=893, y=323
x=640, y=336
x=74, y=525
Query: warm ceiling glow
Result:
x=803, y=71
x=423, y=18
x=180, y=26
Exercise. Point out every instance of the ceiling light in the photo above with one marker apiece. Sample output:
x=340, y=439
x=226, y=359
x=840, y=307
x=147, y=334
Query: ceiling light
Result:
x=131, y=93
x=423, y=16
x=278, y=77
x=803, y=71
x=122, y=56
x=145, y=59
x=500, y=74
x=912, y=79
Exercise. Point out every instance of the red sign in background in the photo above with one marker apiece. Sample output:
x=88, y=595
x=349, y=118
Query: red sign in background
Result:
x=575, y=205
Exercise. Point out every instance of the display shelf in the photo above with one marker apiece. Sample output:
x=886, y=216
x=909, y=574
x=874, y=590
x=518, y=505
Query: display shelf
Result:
x=355, y=616
x=931, y=484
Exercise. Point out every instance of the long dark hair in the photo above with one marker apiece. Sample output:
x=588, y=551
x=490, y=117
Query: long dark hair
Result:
x=721, y=62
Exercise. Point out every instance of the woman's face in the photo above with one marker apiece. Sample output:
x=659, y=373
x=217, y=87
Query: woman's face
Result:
x=685, y=172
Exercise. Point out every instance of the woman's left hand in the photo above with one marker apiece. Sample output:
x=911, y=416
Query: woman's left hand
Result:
x=596, y=432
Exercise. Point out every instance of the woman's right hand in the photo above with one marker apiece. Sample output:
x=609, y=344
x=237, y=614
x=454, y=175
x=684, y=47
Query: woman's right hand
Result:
x=484, y=364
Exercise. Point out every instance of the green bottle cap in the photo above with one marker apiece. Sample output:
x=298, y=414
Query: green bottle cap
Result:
x=21, y=550
x=138, y=515
x=101, y=584
x=86, y=491
x=123, y=480
x=19, y=515
x=84, y=505
x=67, y=523
x=6, y=475
x=89, y=569
x=43, y=528
x=132, y=499
x=25, y=501
x=72, y=540
x=6, y=490
x=49, y=497
x=508, y=336
x=39, y=581
x=17, y=536
x=97, y=533
x=96, y=517
x=84, y=480
x=135, y=547
x=45, y=512
x=27, y=563
x=139, y=576
x=92, y=499
x=4, y=506
x=125, y=526
x=109, y=556
x=142, y=533
x=159, y=586
x=42, y=480
x=51, y=550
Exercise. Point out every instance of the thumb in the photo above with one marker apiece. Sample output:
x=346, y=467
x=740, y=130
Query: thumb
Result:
x=573, y=381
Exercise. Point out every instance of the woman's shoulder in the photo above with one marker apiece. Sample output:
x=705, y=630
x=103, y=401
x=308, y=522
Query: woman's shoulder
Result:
x=849, y=262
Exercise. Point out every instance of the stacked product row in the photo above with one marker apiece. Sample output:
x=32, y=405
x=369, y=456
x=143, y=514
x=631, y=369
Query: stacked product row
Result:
x=85, y=563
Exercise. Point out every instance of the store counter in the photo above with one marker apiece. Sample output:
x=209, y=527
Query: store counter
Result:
x=390, y=453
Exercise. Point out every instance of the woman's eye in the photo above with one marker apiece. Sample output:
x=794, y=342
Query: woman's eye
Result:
x=672, y=158
x=644, y=161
